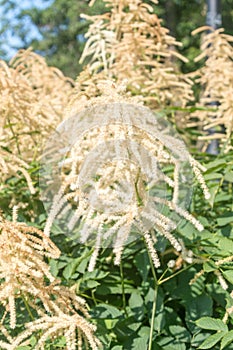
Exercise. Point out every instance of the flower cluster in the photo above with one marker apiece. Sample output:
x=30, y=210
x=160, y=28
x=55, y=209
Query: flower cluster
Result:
x=26, y=276
x=33, y=96
x=217, y=80
x=32, y=99
x=111, y=161
x=129, y=42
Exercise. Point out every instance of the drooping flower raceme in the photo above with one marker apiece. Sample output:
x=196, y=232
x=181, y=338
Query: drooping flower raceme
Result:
x=56, y=310
x=129, y=42
x=32, y=99
x=216, y=78
x=22, y=269
x=113, y=172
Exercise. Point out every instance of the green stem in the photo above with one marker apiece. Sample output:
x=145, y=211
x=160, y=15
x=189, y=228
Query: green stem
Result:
x=163, y=274
x=86, y=296
x=153, y=318
x=27, y=307
x=93, y=297
x=139, y=199
x=154, y=303
x=123, y=289
x=160, y=281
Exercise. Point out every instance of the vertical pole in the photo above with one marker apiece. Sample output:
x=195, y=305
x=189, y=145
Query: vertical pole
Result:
x=214, y=20
x=213, y=17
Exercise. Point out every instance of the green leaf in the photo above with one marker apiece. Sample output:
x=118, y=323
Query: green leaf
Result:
x=180, y=333
x=187, y=229
x=54, y=267
x=33, y=340
x=110, y=287
x=223, y=197
x=126, y=327
x=209, y=266
x=170, y=343
x=70, y=269
x=159, y=321
x=142, y=263
x=136, y=305
x=95, y=275
x=198, y=339
x=196, y=308
x=219, y=163
x=229, y=176
x=106, y=311
x=83, y=265
x=60, y=343
x=228, y=274
x=140, y=343
x=213, y=192
x=227, y=339
x=110, y=323
x=92, y=284
x=61, y=264
x=135, y=300
x=226, y=244
x=211, y=340
x=225, y=219
x=211, y=323
x=218, y=294
x=212, y=176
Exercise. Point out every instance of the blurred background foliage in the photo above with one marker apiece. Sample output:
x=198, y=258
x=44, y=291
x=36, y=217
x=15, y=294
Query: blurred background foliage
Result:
x=55, y=29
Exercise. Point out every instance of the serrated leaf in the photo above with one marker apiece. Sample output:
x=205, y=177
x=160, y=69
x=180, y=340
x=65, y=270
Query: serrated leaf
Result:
x=228, y=274
x=211, y=340
x=227, y=339
x=201, y=306
x=170, y=343
x=180, y=333
x=144, y=331
x=211, y=324
x=226, y=244
x=140, y=343
x=198, y=339
x=209, y=266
